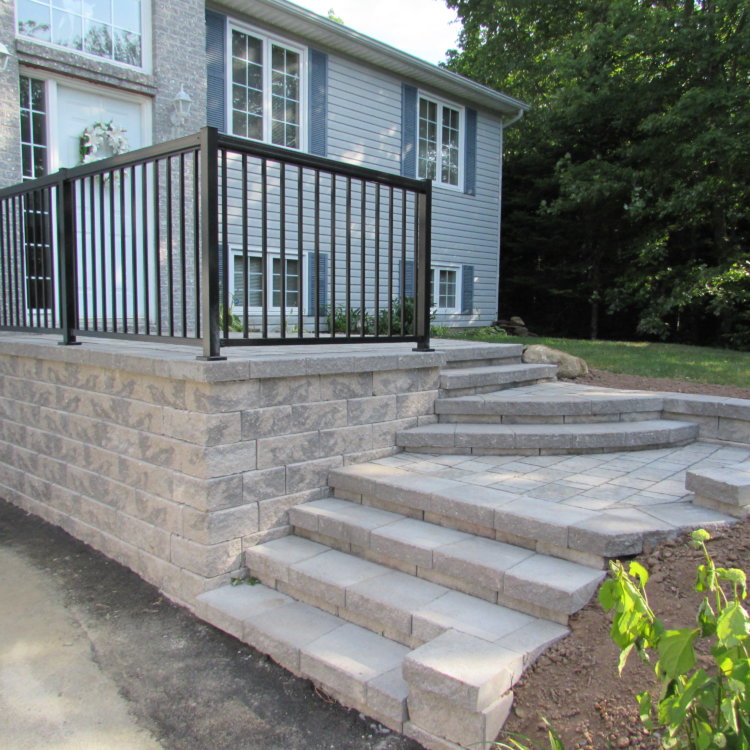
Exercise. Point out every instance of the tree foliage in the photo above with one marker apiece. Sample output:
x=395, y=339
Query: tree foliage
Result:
x=627, y=186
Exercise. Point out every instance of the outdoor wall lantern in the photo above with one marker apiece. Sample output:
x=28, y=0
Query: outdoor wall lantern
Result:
x=4, y=56
x=182, y=103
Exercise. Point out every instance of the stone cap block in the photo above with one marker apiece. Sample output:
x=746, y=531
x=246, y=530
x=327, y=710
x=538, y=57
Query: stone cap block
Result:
x=728, y=485
x=463, y=669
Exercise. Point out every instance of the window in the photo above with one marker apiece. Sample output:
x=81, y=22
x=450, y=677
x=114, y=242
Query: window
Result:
x=255, y=277
x=445, y=285
x=33, y=109
x=438, y=156
x=111, y=29
x=266, y=89
x=37, y=242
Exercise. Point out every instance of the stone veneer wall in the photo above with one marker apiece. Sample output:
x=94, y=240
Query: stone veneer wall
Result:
x=173, y=468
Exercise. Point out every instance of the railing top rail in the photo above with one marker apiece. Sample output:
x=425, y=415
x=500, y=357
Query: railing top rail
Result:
x=240, y=145
x=298, y=158
x=102, y=166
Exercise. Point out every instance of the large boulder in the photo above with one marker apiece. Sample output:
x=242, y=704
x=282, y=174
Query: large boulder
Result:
x=568, y=365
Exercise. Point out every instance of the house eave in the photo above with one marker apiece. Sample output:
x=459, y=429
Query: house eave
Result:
x=334, y=36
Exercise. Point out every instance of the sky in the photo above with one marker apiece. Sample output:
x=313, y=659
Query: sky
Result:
x=424, y=28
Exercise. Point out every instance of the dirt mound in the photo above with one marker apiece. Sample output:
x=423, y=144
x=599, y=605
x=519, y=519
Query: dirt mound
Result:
x=575, y=684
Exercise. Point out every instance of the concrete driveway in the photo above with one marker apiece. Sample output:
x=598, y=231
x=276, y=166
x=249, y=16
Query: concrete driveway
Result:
x=93, y=658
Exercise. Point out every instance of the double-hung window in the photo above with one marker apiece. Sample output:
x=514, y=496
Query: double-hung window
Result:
x=439, y=146
x=271, y=278
x=112, y=29
x=446, y=284
x=266, y=97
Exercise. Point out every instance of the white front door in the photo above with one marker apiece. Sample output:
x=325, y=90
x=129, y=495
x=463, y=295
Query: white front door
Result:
x=78, y=109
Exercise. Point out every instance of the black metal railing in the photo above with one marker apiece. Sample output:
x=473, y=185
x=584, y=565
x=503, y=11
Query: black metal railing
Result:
x=218, y=241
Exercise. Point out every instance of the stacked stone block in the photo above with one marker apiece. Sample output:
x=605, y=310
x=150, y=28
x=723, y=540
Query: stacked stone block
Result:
x=175, y=468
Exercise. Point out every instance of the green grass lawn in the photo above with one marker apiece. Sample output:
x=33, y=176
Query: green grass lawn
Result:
x=653, y=360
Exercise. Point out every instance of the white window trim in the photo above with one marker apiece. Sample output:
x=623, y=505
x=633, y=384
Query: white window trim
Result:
x=435, y=271
x=267, y=37
x=51, y=82
x=146, y=42
x=461, y=139
x=236, y=252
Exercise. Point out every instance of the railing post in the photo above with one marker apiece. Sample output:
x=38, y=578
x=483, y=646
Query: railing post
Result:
x=66, y=258
x=209, y=237
x=423, y=270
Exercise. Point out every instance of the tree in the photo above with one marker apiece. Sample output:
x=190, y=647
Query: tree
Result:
x=627, y=186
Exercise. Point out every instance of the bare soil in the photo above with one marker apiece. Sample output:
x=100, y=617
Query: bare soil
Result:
x=575, y=684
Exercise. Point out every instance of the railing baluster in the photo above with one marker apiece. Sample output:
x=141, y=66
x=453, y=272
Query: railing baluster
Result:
x=183, y=251
x=123, y=251
x=157, y=248
x=223, y=249
x=403, y=263
x=300, y=252
x=81, y=185
x=92, y=245
x=264, y=246
x=317, y=279
x=348, y=256
x=363, y=256
x=170, y=246
x=391, y=209
x=282, y=245
x=332, y=313
x=145, y=246
x=377, y=259
x=245, y=250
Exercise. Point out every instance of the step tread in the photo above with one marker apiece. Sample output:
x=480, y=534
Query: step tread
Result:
x=360, y=668
x=551, y=399
x=395, y=600
x=496, y=566
x=541, y=523
x=460, y=377
x=577, y=436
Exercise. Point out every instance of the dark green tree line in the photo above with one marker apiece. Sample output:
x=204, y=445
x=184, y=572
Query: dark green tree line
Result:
x=627, y=186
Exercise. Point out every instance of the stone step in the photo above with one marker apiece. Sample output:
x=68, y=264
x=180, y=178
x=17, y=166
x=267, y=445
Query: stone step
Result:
x=551, y=403
x=402, y=607
x=357, y=667
x=468, y=381
x=479, y=355
x=543, y=439
x=497, y=572
x=589, y=537
x=726, y=490
x=453, y=691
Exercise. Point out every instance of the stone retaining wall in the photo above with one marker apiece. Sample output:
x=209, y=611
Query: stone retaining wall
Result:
x=726, y=419
x=174, y=467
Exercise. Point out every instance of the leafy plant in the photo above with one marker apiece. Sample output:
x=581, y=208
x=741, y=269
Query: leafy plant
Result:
x=696, y=708
x=337, y=319
x=511, y=743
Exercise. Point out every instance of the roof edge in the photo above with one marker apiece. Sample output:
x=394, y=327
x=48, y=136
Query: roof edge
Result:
x=341, y=38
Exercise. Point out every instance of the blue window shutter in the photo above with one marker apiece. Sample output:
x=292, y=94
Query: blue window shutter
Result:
x=467, y=290
x=470, y=154
x=408, y=270
x=318, y=103
x=322, y=283
x=408, y=130
x=216, y=58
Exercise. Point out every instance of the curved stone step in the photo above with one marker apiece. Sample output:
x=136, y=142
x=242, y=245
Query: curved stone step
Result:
x=473, y=354
x=557, y=402
x=530, y=439
x=466, y=381
x=495, y=571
